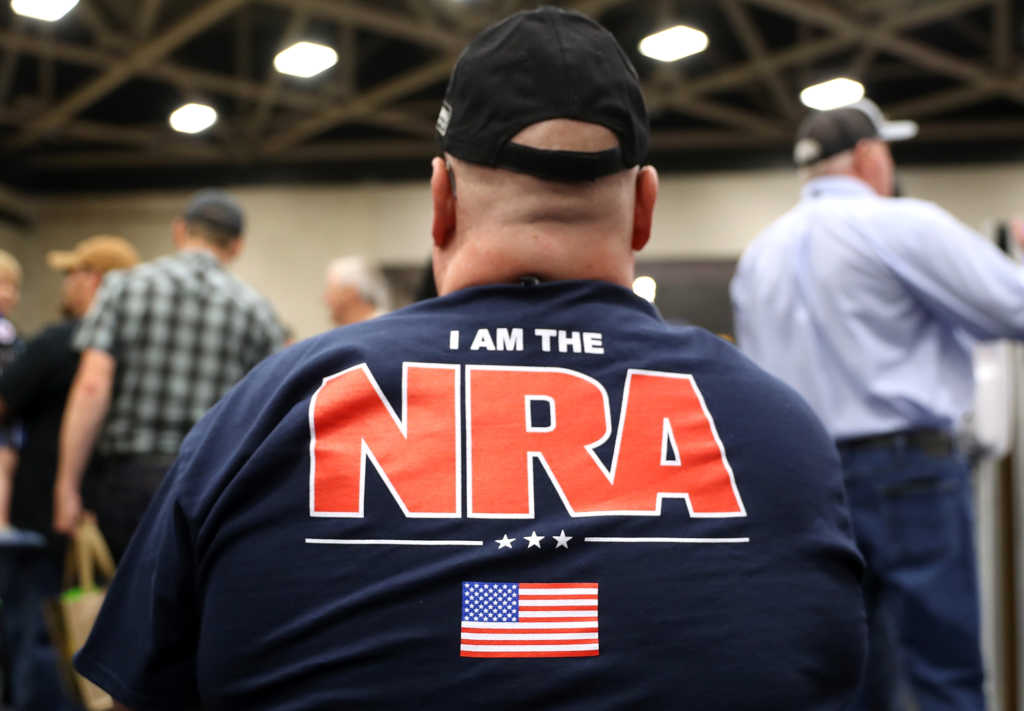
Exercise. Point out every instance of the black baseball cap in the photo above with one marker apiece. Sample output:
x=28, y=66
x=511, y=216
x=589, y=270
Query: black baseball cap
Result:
x=217, y=209
x=537, y=65
x=825, y=133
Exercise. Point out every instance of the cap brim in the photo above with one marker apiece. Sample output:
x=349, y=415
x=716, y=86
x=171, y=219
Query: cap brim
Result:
x=897, y=130
x=61, y=260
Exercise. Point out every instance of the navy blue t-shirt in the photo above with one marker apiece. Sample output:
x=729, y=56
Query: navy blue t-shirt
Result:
x=508, y=497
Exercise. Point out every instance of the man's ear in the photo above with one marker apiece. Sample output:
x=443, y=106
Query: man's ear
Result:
x=643, y=210
x=234, y=247
x=444, y=203
x=179, y=232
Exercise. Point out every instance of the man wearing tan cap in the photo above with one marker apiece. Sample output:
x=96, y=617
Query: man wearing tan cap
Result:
x=33, y=389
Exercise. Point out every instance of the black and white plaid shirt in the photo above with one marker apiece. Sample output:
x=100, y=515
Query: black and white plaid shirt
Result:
x=182, y=330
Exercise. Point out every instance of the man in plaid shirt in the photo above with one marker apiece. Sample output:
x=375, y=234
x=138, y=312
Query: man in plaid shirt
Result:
x=161, y=344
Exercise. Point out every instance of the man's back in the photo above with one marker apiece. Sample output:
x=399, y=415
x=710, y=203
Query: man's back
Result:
x=357, y=523
x=35, y=387
x=183, y=330
x=846, y=296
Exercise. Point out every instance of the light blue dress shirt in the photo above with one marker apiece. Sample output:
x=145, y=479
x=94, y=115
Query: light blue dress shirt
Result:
x=869, y=306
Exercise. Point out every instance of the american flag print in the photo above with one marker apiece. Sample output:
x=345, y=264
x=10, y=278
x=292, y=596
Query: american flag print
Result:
x=529, y=620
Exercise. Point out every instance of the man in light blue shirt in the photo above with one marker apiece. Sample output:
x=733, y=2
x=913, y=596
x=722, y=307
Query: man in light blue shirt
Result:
x=868, y=306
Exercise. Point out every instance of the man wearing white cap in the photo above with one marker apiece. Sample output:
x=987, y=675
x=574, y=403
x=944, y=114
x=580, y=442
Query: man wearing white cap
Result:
x=867, y=305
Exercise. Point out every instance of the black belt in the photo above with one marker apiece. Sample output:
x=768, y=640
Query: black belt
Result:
x=936, y=442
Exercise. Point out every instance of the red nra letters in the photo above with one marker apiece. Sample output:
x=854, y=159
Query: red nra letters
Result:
x=666, y=444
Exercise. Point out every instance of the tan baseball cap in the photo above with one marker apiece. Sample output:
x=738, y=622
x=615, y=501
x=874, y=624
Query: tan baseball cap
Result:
x=99, y=253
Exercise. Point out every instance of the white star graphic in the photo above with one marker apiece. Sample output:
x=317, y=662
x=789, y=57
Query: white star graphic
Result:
x=534, y=540
x=562, y=540
x=504, y=542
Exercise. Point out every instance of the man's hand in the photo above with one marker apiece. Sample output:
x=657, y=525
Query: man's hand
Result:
x=67, y=508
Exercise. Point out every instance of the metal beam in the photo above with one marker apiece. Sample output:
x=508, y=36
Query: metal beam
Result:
x=144, y=56
x=941, y=102
x=296, y=26
x=46, y=71
x=595, y=8
x=363, y=150
x=438, y=70
x=165, y=71
x=362, y=104
x=92, y=16
x=986, y=130
x=9, y=64
x=706, y=139
x=744, y=27
x=886, y=39
x=731, y=116
x=1002, y=35
x=749, y=71
x=146, y=18
x=385, y=22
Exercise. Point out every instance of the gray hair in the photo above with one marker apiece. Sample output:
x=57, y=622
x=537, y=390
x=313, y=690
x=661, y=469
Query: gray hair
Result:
x=364, y=277
x=840, y=163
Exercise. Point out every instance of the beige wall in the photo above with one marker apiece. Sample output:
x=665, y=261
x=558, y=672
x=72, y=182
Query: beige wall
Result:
x=296, y=230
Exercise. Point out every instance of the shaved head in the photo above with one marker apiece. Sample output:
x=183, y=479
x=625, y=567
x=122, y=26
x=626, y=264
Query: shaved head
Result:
x=493, y=224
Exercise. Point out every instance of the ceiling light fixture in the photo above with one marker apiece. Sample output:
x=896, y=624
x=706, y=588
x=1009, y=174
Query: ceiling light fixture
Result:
x=46, y=10
x=832, y=94
x=305, y=59
x=674, y=43
x=645, y=287
x=193, y=118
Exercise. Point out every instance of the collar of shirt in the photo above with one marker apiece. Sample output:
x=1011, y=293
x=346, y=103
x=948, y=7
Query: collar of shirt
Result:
x=836, y=186
x=200, y=258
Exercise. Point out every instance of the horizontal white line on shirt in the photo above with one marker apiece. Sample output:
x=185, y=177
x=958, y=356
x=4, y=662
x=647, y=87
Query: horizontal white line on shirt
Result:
x=558, y=613
x=388, y=542
x=666, y=540
x=578, y=602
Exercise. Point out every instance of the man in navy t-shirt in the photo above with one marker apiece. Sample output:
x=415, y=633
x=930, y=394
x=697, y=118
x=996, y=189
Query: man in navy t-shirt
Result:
x=528, y=493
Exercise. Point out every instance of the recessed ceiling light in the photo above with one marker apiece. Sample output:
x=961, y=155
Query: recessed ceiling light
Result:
x=47, y=10
x=832, y=94
x=645, y=287
x=305, y=59
x=193, y=118
x=674, y=43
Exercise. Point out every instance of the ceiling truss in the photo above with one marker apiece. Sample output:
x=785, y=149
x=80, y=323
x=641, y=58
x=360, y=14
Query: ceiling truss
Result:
x=277, y=121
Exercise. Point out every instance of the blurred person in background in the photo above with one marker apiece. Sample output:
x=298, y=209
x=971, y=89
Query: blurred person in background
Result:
x=33, y=389
x=160, y=345
x=356, y=290
x=10, y=432
x=313, y=547
x=868, y=305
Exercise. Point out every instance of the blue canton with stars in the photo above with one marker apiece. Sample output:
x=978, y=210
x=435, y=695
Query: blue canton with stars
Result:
x=490, y=602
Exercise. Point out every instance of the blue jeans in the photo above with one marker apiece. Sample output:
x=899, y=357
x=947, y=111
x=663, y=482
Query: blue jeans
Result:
x=914, y=525
x=28, y=576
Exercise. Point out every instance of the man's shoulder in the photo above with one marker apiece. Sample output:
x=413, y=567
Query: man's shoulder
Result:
x=56, y=334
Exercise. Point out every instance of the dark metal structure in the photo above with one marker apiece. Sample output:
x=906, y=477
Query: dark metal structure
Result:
x=84, y=102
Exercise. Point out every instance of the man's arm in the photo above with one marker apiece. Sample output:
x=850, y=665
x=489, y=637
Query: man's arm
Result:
x=86, y=409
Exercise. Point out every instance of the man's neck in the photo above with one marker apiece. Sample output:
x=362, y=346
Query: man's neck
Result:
x=199, y=245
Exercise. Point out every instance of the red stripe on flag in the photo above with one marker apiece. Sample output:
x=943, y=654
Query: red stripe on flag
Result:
x=567, y=596
x=541, y=586
x=587, y=653
x=518, y=642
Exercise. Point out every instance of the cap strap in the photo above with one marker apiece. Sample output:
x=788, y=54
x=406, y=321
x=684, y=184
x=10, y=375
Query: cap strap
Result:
x=563, y=166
